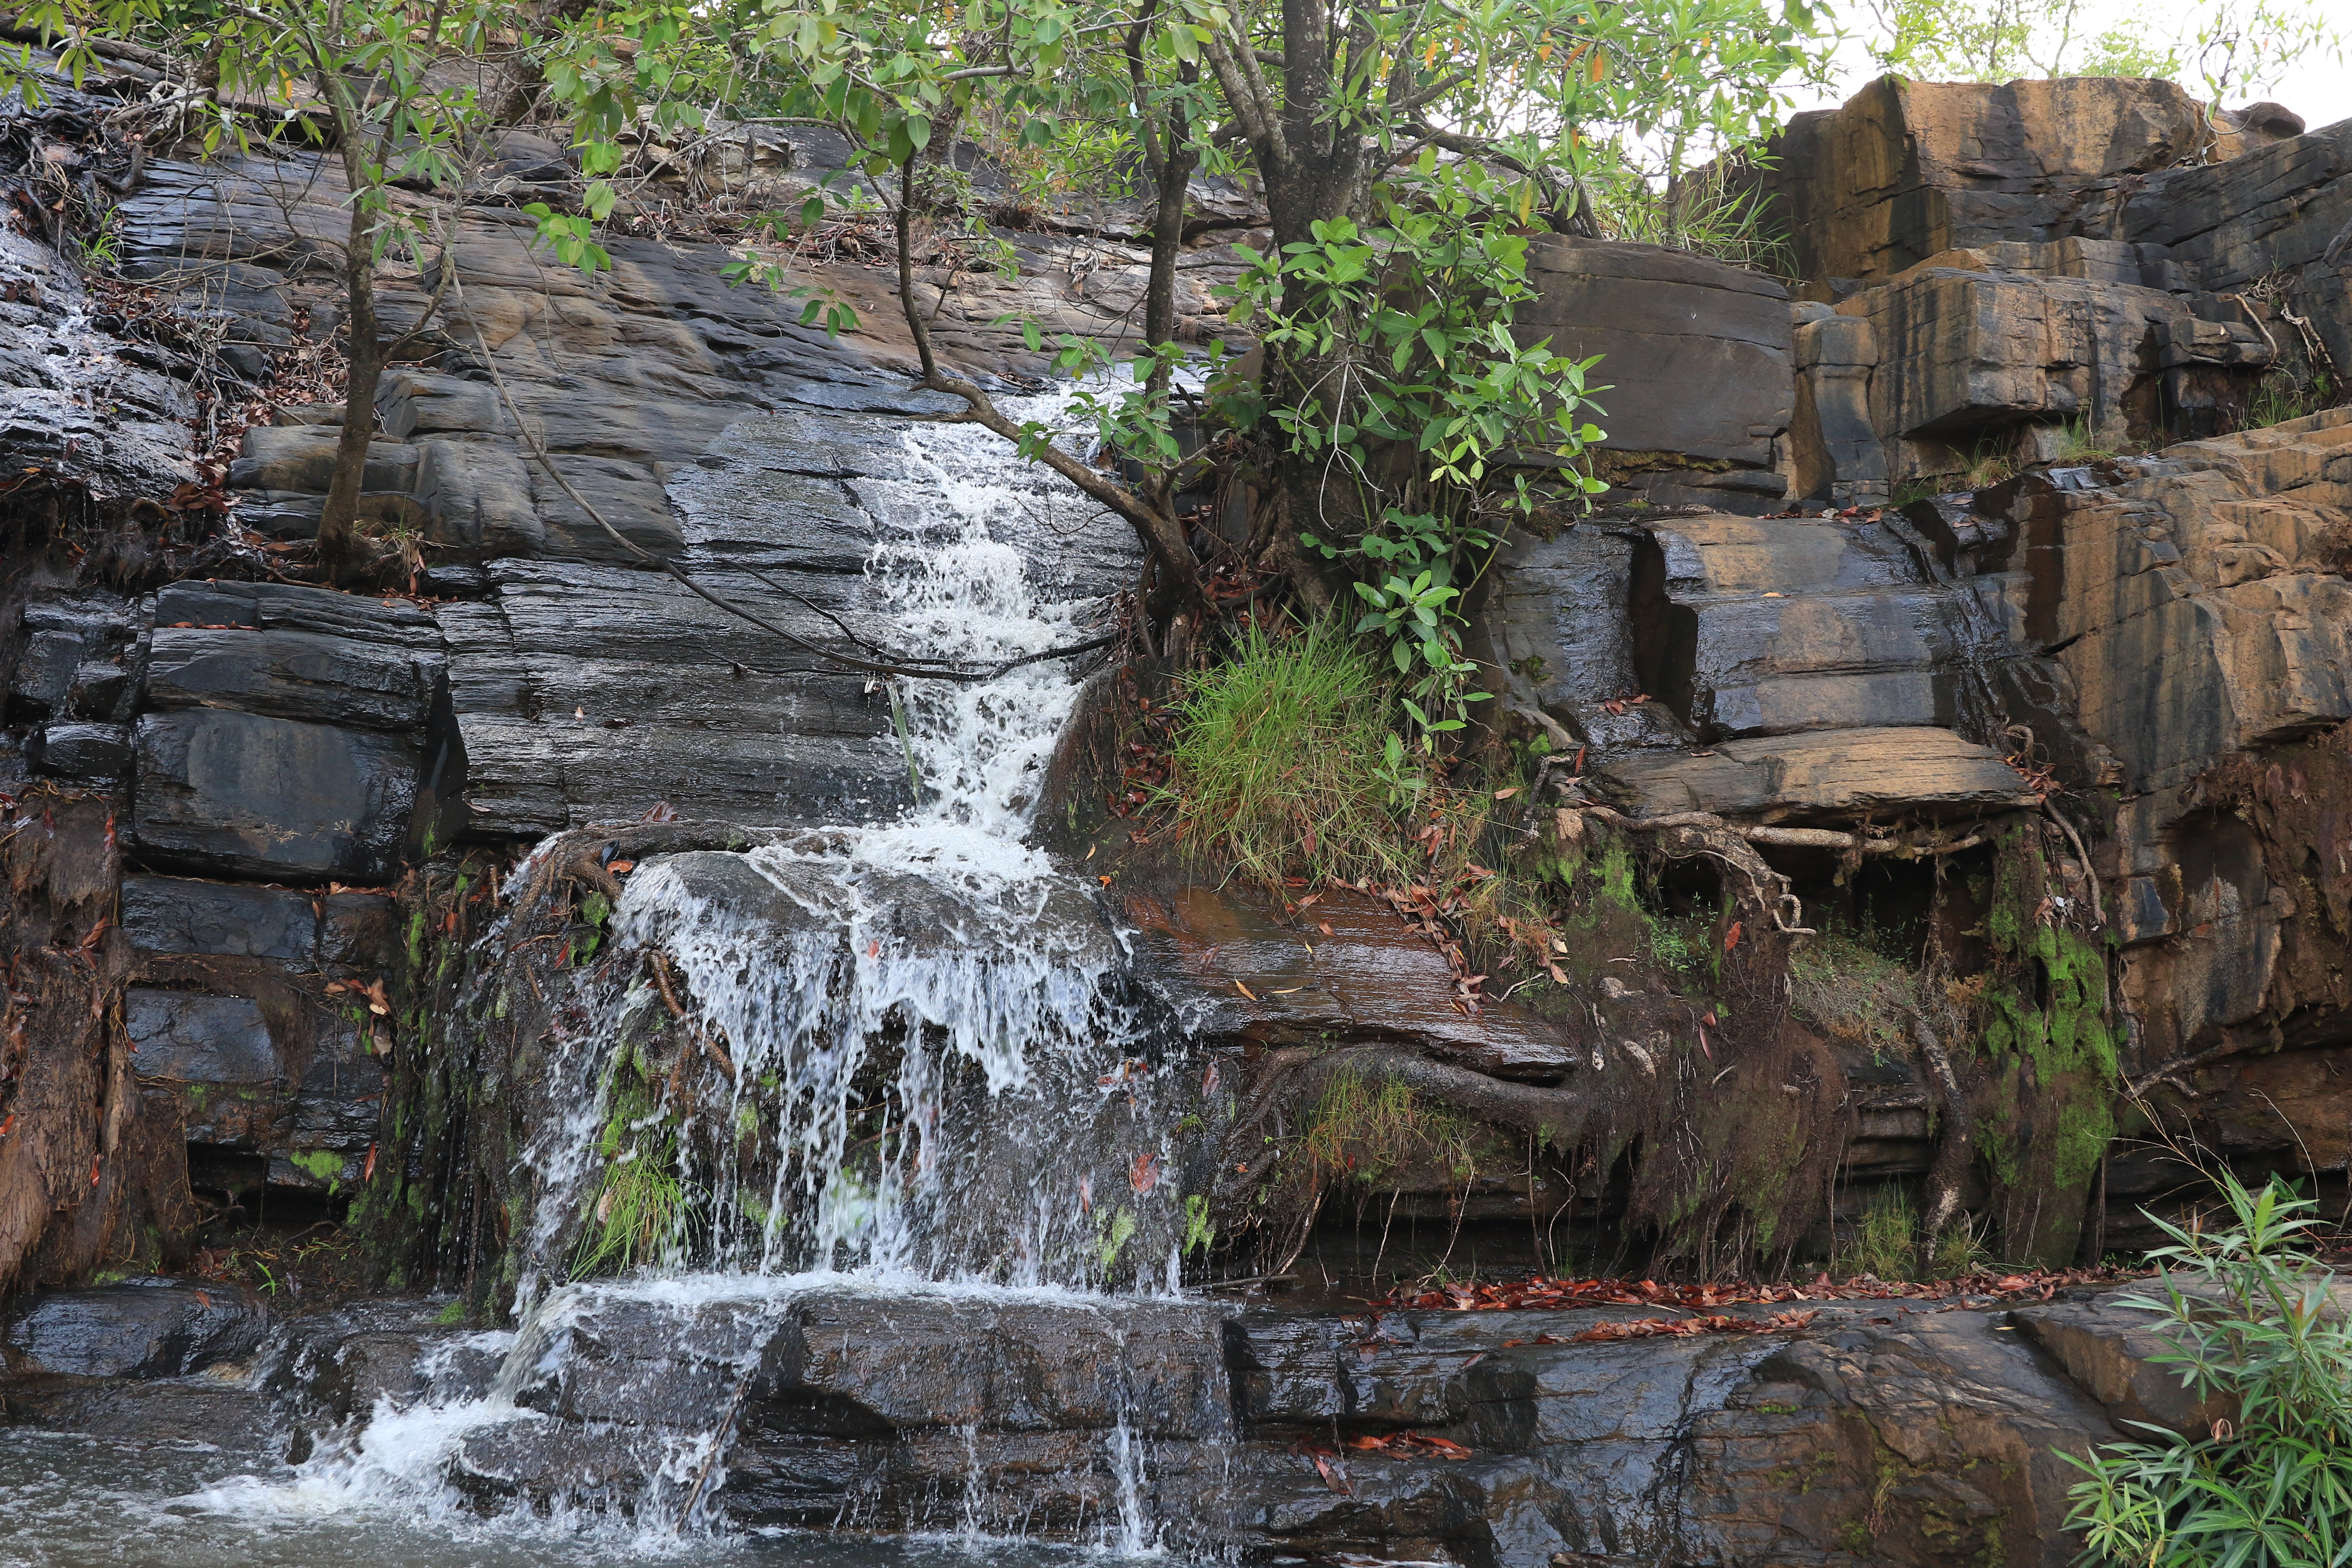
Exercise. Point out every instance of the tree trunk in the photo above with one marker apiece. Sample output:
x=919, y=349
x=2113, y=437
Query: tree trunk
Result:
x=1175, y=177
x=342, y=548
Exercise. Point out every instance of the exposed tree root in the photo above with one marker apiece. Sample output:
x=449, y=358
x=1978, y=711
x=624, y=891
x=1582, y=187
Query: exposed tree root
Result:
x=1953, y=1143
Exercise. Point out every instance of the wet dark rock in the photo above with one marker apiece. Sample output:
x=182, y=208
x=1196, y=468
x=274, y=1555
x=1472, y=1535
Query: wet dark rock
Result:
x=273, y=798
x=189, y=1038
x=726, y=722
x=295, y=675
x=397, y=1352
x=359, y=933
x=156, y=1328
x=278, y=1075
x=67, y=403
x=179, y=914
x=95, y=752
x=70, y=664
x=1773, y=627
x=226, y=1416
x=301, y=458
x=1559, y=614
x=1668, y=320
x=1912, y=1438
x=286, y=606
x=1876, y=1432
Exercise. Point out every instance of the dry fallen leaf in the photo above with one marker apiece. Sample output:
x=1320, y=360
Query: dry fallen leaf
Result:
x=1245, y=990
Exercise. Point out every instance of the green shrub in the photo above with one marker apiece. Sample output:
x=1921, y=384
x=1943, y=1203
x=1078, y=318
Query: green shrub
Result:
x=2249, y=1318
x=1278, y=759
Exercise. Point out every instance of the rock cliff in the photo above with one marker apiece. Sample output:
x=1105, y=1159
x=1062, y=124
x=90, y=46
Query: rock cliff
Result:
x=1981, y=586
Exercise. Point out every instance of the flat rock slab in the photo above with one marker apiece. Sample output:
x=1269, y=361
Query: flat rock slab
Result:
x=1234, y=968
x=295, y=675
x=1827, y=775
x=228, y=1414
x=286, y=606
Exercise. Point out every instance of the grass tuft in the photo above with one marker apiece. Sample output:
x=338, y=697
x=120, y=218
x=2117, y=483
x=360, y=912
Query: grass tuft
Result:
x=2282, y=395
x=1275, y=767
x=636, y=1220
x=1367, y=1133
x=1846, y=987
x=1884, y=1244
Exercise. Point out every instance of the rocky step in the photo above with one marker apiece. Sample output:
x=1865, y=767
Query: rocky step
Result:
x=1888, y=1431
x=1827, y=775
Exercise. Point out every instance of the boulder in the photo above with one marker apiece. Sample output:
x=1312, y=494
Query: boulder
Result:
x=284, y=1077
x=301, y=458
x=285, y=606
x=589, y=693
x=96, y=753
x=1558, y=614
x=70, y=664
x=1834, y=445
x=2213, y=566
x=2108, y=1347
x=181, y=915
x=148, y=1328
x=1974, y=353
x=1774, y=626
x=184, y=1037
x=478, y=497
x=296, y=675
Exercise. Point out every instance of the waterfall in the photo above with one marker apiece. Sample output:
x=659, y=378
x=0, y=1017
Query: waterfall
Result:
x=892, y=1059
x=932, y=1070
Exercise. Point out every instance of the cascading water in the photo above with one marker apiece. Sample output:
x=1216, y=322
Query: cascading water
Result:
x=930, y=1070
x=894, y=1058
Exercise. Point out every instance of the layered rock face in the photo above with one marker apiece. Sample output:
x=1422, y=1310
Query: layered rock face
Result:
x=2045, y=267
x=1873, y=614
